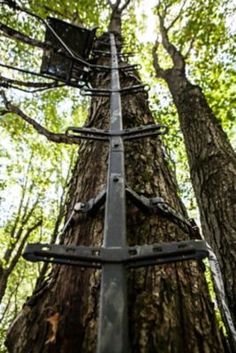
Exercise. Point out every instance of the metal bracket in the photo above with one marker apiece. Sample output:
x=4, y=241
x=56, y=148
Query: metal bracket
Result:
x=132, y=257
x=108, y=53
x=124, y=68
x=105, y=92
x=126, y=134
x=158, y=204
x=147, y=204
x=141, y=201
x=91, y=205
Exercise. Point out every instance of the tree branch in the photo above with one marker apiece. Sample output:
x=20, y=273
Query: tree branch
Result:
x=190, y=47
x=28, y=212
x=61, y=213
x=110, y=4
x=15, y=237
x=177, y=17
x=115, y=20
x=165, y=8
x=12, y=33
x=51, y=136
x=176, y=56
x=114, y=6
x=159, y=71
x=7, y=80
x=117, y=4
x=21, y=203
x=126, y=4
x=22, y=244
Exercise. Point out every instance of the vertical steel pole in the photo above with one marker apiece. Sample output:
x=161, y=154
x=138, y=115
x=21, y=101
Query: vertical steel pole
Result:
x=113, y=314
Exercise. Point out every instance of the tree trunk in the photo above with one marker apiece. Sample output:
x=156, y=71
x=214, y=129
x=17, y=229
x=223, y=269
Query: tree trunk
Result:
x=212, y=164
x=3, y=282
x=169, y=306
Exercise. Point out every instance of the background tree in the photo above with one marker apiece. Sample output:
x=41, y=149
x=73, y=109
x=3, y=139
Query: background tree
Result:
x=33, y=204
x=211, y=158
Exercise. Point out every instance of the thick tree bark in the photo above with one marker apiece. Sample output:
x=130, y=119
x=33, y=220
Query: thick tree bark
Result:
x=169, y=306
x=211, y=159
x=212, y=164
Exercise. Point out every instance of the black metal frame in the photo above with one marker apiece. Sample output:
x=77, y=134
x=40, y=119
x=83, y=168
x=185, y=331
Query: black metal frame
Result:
x=128, y=256
x=113, y=321
x=77, y=64
x=126, y=134
x=115, y=257
x=78, y=70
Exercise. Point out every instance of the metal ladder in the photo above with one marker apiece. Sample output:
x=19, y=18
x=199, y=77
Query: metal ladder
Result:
x=115, y=257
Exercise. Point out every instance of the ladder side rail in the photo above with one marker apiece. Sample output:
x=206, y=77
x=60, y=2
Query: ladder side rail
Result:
x=113, y=313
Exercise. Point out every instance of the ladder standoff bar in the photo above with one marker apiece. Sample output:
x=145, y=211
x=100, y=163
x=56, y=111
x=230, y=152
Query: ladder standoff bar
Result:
x=133, y=256
x=105, y=92
x=126, y=134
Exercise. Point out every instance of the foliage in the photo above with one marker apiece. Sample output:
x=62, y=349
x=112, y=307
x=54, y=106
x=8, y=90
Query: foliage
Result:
x=35, y=176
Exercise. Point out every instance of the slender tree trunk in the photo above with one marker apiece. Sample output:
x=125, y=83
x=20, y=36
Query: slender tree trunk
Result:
x=11, y=260
x=3, y=283
x=212, y=164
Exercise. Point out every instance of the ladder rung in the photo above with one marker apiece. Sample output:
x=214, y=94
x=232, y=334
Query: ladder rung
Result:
x=126, y=134
x=104, y=92
x=135, y=256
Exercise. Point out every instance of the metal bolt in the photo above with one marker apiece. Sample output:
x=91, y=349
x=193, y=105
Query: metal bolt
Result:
x=79, y=206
